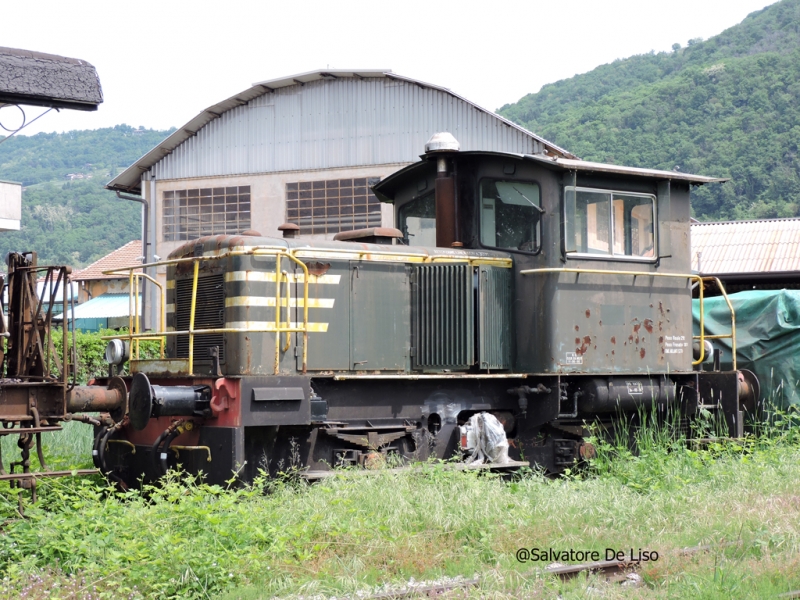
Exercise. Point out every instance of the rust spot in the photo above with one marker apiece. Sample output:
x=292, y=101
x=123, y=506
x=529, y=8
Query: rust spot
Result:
x=641, y=353
x=637, y=340
x=587, y=451
x=577, y=341
x=660, y=326
x=594, y=347
x=648, y=325
x=577, y=328
x=318, y=268
x=651, y=306
x=600, y=323
x=613, y=339
x=612, y=353
x=637, y=327
x=587, y=340
x=630, y=338
x=661, y=339
x=588, y=313
x=660, y=307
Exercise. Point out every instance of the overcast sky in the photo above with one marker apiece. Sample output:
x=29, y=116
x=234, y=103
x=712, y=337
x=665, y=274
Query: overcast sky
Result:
x=162, y=62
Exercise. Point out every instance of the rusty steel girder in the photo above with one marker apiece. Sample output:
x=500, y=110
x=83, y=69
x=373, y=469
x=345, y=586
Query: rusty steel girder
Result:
x=35, y=388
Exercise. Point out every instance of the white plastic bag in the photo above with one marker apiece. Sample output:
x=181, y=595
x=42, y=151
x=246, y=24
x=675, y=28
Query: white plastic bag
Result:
x=487, y=439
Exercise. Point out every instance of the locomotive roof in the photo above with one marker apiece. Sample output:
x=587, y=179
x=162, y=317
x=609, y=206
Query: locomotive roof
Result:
x=385, y=190
x=570, y=164
x=219, y=244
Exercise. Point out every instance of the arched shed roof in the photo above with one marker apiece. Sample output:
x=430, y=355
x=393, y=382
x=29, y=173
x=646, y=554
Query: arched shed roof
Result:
x=271, y=127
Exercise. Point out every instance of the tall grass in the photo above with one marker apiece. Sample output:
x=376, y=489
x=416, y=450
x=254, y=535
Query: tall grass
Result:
x=645, y=488
x=70, y=448
x=353, y=533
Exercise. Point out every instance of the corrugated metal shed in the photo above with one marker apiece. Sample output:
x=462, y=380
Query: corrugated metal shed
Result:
x=766, y=246
x=327, y=119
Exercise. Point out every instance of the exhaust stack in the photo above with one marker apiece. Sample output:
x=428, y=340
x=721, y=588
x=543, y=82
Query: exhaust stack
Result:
x=442, y=145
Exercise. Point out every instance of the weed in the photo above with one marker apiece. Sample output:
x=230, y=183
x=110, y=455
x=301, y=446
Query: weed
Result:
x=646, y=488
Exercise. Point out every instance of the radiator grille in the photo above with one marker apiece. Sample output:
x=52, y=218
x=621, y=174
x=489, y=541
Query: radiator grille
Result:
x=495, y=318
x=209, y=314
x=443, y=317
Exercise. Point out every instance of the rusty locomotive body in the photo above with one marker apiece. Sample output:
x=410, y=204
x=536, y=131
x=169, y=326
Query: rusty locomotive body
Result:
x=549, y=293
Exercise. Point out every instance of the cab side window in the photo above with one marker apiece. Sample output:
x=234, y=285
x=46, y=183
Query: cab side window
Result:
x=418, y=221
x=603, y=222
x=510, y=215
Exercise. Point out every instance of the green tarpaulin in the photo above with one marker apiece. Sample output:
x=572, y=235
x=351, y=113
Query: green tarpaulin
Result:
x=767, y=338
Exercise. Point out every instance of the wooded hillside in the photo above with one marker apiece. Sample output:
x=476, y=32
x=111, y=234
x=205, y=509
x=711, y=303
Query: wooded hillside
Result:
x=67, y=216
x=728, y=107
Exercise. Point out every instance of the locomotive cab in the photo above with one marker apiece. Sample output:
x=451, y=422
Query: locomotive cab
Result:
x=574, y=231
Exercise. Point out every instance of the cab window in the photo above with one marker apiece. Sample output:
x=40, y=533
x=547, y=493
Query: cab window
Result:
x=603, y=222
x=510, y=215
x=418, y=221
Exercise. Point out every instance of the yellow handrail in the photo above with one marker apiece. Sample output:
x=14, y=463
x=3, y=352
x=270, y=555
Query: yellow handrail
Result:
x=134, y=334
x=354, y=253
x=191, y=316
x=133, y=313
x=691, y=276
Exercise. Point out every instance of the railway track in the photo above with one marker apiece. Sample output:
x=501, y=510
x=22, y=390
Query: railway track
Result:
x=425, y=590
x=624, y=570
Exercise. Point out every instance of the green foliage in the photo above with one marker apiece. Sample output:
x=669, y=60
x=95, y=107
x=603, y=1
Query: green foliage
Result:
x=77, y=221
x=184, y=539
x=91, y=350
x=725, y=107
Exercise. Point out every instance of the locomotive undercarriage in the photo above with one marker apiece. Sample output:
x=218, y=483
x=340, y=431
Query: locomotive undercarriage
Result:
x=372, y=423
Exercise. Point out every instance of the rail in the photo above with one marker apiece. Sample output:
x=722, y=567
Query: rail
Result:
x=691, y=277
x=280, y=326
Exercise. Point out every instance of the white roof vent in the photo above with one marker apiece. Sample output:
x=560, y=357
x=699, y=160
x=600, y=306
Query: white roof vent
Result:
x=442, y=142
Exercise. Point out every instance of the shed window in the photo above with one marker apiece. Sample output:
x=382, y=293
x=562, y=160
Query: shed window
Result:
x=603, y=222
x=190, y=214
x=332, y=206
x=510, y=215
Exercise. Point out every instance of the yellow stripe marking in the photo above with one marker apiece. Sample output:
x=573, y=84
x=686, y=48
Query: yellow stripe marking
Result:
x=270, y=277
x=270, y=325
x=267, y=301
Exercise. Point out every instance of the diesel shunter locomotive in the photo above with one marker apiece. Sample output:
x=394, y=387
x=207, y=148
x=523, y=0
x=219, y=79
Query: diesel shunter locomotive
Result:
x=548, y=293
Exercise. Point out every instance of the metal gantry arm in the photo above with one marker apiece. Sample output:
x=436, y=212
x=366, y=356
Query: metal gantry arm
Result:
x=690, y=276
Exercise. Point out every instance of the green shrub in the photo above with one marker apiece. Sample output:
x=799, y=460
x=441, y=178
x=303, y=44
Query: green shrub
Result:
x=90, y=349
